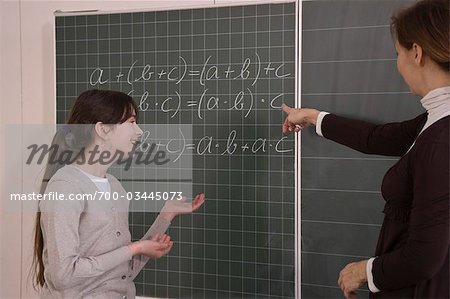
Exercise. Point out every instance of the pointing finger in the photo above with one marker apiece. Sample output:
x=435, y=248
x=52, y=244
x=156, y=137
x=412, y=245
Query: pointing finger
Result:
x=286, y=108
x=287, y=125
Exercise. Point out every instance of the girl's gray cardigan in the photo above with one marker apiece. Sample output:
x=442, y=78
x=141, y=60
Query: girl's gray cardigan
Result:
x=86, y=252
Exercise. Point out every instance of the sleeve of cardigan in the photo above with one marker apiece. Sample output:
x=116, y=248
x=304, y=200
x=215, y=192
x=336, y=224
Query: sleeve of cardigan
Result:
x=425, y=250
x=60, y=225
x=392, y=139
x=159, y=227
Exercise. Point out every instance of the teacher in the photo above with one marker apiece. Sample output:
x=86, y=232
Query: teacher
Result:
x=412, y=256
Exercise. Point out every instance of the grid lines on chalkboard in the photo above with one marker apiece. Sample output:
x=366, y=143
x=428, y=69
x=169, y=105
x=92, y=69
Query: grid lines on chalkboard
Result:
x=324, y=206
x=209, y=250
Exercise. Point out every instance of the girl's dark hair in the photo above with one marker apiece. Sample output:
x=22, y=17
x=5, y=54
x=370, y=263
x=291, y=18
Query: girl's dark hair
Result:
x=427, y=24
x=91, y=106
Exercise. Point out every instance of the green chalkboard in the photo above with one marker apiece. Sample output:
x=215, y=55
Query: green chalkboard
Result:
x=348, y=68
x=223, y=71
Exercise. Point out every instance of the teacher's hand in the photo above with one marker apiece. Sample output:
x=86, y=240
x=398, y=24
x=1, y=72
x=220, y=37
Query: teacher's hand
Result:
x=352, y=277
x=173, y=208
x=298, y=119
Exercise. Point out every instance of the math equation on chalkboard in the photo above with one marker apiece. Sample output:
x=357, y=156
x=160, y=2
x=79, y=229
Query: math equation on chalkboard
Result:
x=208, y=84
x=240, y=100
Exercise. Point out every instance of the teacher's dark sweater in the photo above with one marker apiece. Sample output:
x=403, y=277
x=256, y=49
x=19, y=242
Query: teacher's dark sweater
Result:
x=413, y=246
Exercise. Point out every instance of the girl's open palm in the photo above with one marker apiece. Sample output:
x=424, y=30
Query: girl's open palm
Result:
x=155, y=248
x=173, y=208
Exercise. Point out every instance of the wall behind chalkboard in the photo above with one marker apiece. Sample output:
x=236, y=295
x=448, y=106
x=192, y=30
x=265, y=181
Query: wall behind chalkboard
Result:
x=348, y=68
x=226, y=71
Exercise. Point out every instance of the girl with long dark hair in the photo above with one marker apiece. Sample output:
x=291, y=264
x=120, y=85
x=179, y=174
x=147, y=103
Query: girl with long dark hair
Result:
x=83, y=248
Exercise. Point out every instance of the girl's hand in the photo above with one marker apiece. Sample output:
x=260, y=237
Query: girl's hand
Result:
x=298, y=119
x=173, y=208
x=153, y=248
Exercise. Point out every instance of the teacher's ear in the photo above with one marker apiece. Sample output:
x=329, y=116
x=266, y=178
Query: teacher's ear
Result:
x=418, y=54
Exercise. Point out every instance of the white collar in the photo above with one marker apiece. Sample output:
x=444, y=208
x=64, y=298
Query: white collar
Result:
x=436, y=98
x=437, y=104
x=93, y=178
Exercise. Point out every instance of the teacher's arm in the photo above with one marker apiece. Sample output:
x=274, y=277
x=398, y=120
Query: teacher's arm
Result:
x=392, y=139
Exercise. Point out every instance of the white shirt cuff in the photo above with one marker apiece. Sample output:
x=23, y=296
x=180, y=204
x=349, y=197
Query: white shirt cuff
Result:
x=372, y=286
x=319, y=122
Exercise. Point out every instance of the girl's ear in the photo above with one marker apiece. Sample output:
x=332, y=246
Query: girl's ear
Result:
x=102, y=130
